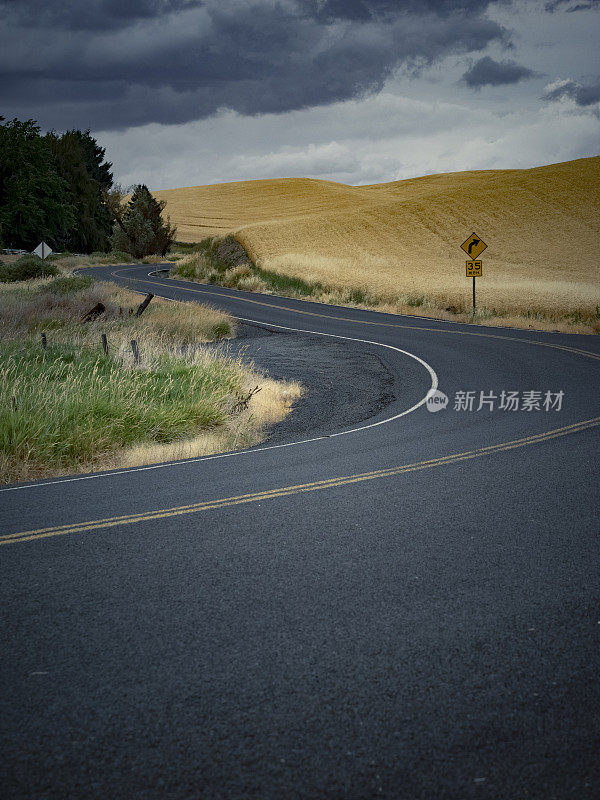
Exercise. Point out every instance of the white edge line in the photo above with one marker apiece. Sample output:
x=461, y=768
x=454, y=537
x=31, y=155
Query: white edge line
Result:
x=428, y=367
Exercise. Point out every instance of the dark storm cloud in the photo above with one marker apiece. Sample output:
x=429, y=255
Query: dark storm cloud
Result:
x=374, y=9
x=94, y=15
x=568, y=5
x=582, y=95
x=487, y=72
x=113, y=64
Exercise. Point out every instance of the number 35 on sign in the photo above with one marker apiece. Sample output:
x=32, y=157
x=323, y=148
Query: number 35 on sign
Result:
x=474, y=269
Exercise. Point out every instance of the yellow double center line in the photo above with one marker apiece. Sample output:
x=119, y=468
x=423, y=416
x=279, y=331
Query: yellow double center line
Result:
x=284, y=491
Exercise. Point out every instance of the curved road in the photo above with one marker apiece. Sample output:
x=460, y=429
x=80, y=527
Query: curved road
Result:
x=406, y=610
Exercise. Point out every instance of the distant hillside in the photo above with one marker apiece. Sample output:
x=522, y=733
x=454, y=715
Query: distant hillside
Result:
x=542, y=227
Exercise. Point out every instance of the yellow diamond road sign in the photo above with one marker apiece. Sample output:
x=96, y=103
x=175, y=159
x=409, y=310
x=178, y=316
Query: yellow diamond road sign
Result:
x=474, y=246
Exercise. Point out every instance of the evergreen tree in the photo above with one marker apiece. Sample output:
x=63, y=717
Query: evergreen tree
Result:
x=97, y=167
x=140, y=228
x=79, y=162
x=99, y=171
x=35, y=201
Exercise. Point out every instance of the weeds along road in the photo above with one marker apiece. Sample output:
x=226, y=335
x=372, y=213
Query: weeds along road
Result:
x=409, y=610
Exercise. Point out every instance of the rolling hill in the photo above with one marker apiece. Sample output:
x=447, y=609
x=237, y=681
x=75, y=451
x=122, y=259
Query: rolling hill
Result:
x=541, y=225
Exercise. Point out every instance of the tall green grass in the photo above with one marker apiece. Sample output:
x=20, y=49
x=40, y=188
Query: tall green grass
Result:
x=68, y=407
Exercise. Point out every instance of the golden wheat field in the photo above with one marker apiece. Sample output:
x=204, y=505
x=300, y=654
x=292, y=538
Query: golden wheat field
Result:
x=541, y=226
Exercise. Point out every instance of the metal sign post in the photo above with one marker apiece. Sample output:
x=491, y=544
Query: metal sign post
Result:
x=42, y=250
x=474, y=270
x=473, y=247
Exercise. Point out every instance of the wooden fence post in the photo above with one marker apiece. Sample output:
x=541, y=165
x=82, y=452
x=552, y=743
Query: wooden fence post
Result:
x=135, y=351
x=44, y=341
x=143, y=306
x=105, y=344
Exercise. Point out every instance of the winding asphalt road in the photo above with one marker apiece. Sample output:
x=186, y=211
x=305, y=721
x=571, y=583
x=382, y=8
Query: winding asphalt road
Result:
x=407, y=610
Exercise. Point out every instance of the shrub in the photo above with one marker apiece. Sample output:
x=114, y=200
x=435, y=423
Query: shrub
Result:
x=415, y=300
x=361, y=297
x=232, y=276
x=119, y=255
x=185, y=270
x=252, y=284
x=220, y=329
x=26, y=268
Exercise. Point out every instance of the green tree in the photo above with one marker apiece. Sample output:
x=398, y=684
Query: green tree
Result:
x=98, y=168
x=35, y=202
x=140, y=228
x=99, y=171
x=79, y=161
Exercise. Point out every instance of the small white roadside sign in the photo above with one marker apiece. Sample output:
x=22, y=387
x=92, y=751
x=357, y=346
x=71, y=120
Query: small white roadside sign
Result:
x=42, y=250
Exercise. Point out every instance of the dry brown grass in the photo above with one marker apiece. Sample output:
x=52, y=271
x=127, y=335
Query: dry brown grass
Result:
x=247, y=429
x=30, y=307
x=400, y=240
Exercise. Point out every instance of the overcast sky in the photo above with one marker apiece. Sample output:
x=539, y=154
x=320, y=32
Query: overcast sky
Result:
x=187, y=92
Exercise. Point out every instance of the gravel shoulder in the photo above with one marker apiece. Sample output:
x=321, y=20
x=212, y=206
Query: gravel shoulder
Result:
x=343, y=383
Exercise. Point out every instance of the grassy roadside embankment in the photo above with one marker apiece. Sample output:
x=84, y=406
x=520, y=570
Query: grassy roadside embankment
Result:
x=225, y=262
x=71, y=408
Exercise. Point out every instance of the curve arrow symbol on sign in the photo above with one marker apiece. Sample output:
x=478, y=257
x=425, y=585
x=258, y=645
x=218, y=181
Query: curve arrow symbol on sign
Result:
x=474, y=245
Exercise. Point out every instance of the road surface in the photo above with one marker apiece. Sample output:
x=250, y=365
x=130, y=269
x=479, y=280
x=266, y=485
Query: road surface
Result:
x=405, y=608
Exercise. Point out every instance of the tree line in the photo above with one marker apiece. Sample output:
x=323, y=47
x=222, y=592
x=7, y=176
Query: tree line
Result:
x=59, y=188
